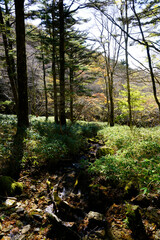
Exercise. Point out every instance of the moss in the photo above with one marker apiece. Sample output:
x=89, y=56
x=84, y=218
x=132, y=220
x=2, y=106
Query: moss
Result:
x=10, y=187
x=17, y=188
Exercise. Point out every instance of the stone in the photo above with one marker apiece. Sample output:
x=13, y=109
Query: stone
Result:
x=9, y=186
x=10, y=202
x=20, y=210
x=157, y=235
x=95, y=215
x=26, y=229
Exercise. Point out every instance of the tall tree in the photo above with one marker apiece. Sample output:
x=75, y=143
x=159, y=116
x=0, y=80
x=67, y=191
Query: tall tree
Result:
x=54, y=63
x=62, y=114
x=23, y=119
x=5, y=30
x=147, y=45
x=110, y=42
x=126, y=33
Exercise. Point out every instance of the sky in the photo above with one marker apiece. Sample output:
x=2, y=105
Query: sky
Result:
x=137, y=51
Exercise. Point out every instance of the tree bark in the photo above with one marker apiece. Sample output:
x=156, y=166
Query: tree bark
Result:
x=23, y=120
x=54, y=64
x=62, y=65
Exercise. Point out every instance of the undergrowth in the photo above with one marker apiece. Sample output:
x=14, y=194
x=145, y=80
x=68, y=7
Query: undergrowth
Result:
x=136, y=153
x=137, y=157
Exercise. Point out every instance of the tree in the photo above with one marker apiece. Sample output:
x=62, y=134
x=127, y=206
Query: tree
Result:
x=110, y=42
x=62, y=64
x=5, y=30
x=126, y=32
x=137, y=101
x=148, y=55
x=23, y=120
x=54, y=63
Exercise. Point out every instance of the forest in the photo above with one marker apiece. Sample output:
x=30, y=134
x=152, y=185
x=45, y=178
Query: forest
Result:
x=79, y=120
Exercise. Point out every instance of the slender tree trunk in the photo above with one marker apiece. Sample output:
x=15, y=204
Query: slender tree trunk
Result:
x=54, y=64
x=71, y=94
x=111, y=101
x=45, y=87
x=62, y=65
x=127, y=65
x=9, y=60
x=149, y=60
x=23, y=120
x=107, y=97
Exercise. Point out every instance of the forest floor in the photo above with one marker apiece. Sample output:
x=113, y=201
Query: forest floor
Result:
x=89, y=197
x=82, y=208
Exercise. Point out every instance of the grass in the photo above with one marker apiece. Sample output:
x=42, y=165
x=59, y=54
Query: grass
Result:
x=136, y=158
x=136, y=153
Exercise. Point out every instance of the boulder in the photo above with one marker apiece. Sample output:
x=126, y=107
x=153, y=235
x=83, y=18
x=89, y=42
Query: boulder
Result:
x=10, y=187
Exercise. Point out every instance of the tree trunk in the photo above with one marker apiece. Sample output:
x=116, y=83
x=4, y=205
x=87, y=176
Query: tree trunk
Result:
x=9, y=60
x=62, y=65
x=54, y=64
x=127, y=66
x=149, y=60
x=111, y=100
x=23, y=120
x=45, y=88
x=71, y=94
x=107, y=97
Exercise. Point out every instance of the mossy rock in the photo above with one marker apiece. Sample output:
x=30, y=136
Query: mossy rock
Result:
x=9, y=186
x=103, y=151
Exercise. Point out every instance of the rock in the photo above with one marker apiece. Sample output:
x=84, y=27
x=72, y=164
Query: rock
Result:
x=26, y=229
x=20, y=210
x=10, y=202
x=95, y=216
x=9, y=186
x=95, y=219
x=22, y=237
x=103, y=151
x=157, y=235
x=36, y=229
x=63, y=228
